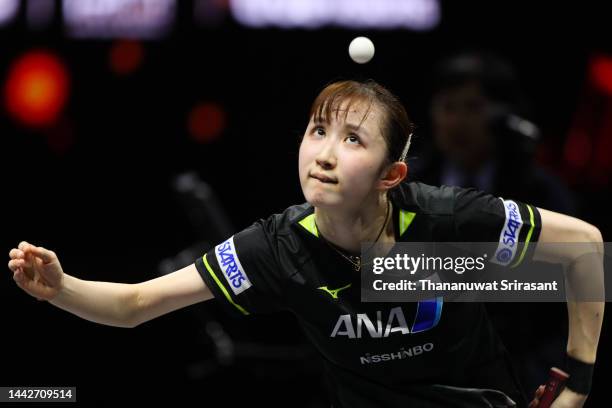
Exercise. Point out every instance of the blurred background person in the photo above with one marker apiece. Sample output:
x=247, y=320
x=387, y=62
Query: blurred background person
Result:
x=481, y=138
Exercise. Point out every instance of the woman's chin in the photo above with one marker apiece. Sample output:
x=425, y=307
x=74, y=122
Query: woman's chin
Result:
x=322, y=199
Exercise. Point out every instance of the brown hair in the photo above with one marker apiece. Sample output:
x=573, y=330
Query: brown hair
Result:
x=397, y=127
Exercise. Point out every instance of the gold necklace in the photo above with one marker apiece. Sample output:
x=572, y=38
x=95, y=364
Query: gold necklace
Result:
x=355, y=260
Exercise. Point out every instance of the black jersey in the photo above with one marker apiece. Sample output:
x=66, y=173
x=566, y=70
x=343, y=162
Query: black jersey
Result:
x=379, y=354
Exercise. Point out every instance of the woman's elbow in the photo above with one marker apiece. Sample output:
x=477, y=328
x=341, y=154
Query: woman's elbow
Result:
x=129, y=315
x=594, y=236
x=589, y=241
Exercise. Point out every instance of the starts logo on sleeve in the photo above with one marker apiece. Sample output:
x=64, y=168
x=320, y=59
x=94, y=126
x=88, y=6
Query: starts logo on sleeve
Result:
x=228, y=260
x=509, y=236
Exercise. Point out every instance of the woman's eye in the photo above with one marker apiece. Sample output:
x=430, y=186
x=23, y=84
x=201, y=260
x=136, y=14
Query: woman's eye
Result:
x=320, y=131
x=353, y=139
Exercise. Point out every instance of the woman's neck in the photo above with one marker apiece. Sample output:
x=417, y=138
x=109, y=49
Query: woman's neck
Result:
x=347, y=229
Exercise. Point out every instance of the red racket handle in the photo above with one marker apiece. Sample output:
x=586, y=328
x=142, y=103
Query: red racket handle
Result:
x=555, y=382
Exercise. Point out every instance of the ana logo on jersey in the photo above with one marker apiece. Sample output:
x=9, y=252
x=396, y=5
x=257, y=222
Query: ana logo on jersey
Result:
x=509, y=236
x=228, y=261
x=427, y=316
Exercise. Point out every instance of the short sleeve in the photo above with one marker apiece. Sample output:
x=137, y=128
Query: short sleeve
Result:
x=242, y=271
x=514, y=227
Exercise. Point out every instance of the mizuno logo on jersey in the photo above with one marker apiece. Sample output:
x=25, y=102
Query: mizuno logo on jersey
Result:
x=228, y=261
x=509, y=236
x=334, y=292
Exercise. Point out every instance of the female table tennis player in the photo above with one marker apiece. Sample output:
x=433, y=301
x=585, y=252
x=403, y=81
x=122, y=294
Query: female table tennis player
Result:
x=352, y=170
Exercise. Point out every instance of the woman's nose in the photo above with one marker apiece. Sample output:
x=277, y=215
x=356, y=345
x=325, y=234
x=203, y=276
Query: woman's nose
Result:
x=326, y=158
x=324, y=163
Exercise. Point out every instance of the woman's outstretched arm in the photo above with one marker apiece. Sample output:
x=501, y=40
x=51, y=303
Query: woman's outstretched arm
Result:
x=38, y=272
x=579, y=247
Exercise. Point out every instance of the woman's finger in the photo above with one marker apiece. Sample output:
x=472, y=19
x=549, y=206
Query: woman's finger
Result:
x=46, y=255
x=16, y=253
x=15, y=264
x=18, y=277
x=27, y=285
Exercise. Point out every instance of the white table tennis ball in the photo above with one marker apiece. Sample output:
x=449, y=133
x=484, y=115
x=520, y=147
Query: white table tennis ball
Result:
x=361, y=50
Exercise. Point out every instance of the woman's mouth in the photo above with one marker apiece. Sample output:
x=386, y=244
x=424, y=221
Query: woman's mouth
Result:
x=323, y=178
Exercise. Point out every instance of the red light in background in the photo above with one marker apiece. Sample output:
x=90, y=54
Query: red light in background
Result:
x=588, y=147
x=578, y=149
x=36, y=88
x=206, y=122
x=601, y=73
x=126, y=56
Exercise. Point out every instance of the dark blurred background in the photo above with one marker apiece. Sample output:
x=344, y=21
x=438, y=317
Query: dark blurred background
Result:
x=136, y=134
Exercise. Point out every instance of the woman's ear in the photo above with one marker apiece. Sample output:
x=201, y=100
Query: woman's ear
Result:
x=394, y=174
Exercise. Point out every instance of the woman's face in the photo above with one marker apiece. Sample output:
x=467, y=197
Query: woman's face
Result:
x=341, y=158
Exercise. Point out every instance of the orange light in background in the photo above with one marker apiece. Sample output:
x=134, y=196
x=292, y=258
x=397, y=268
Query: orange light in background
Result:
x=206, y=121
x=601, y=73
x=126, y=56
x=36, y=88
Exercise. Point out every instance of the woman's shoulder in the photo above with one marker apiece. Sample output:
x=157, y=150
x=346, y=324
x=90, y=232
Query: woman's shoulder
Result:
x=281, y=222
x=425, y=198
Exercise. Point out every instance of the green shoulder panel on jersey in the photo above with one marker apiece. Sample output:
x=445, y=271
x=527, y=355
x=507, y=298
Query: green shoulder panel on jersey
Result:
x=308, y=222
x=405, y=219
